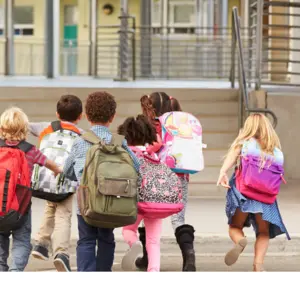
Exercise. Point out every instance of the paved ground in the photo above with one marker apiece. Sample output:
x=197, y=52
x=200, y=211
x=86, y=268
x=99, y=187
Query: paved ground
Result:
x=212, y=242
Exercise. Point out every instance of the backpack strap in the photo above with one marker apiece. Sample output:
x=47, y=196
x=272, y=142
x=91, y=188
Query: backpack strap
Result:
x=117, y=140
x=91, y=137
x=58, y=125
x=23, y=145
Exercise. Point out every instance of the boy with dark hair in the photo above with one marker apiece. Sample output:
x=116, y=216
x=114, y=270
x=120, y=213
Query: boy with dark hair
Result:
x=100, y=110
x=56, y=139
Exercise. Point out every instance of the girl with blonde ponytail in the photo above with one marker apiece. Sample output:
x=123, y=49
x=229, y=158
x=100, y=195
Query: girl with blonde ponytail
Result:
x=259, y=139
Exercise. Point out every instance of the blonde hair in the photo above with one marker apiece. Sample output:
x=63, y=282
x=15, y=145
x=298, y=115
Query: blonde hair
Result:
x=14, y=124
x=259, y=127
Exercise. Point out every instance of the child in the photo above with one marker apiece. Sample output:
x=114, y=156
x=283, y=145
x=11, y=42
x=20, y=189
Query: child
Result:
x=13, y=130
x=154, y=106
x=258, y=139
x=138, y=133
x=56, y=223
x=100, y=109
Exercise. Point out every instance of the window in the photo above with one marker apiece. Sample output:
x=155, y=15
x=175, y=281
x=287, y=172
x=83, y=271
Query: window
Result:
x=23, y=19
x=179, y=17
x=70, y=15
x=182, y=16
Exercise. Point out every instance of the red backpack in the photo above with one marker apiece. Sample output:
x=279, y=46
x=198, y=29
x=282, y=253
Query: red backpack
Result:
x=15, y=191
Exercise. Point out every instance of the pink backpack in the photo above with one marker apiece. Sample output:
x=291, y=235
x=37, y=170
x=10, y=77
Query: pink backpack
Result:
x=159, y=189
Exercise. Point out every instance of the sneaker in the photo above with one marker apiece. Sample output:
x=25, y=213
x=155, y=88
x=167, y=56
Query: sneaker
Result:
x=128, y=261
x=40, y=252
x=62, y=263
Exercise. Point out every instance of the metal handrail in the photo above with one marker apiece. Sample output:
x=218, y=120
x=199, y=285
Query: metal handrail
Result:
x=244, y=98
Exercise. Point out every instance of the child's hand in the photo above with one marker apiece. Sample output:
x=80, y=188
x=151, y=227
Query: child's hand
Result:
x=57, y=171
x=223, y=181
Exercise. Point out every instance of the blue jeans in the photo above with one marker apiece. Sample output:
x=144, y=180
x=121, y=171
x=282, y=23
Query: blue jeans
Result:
x=88, y=260
x=21, y=247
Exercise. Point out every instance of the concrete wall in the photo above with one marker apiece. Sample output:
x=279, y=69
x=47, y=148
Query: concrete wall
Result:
x=287, y=109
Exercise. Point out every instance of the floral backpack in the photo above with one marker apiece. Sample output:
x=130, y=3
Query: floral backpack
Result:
x=159, y=189
x=182, y=142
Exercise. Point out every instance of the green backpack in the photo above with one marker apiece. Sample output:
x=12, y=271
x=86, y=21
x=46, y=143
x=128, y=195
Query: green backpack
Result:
x=107, y=196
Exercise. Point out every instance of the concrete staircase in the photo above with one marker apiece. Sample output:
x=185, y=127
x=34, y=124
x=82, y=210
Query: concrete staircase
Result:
x=216, y=109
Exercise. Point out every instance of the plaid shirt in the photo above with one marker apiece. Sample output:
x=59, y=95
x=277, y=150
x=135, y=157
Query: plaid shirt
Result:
x=75, y=163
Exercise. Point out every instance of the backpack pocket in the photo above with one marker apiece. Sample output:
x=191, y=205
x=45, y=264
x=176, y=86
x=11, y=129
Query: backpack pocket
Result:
x=119, y=187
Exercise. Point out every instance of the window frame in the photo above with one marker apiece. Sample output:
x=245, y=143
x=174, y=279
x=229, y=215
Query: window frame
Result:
x=168, y=22
x=18, y=26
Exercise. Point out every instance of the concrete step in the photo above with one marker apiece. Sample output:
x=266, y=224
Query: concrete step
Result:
x=216, y=108
x=214, y=157
x=218, y=140
x=209, y=174
x=123, y=94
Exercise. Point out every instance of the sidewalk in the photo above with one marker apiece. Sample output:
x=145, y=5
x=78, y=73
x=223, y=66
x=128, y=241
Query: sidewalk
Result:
x=206, y=215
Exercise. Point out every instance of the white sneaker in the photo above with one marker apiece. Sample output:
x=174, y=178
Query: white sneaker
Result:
x=128, y=261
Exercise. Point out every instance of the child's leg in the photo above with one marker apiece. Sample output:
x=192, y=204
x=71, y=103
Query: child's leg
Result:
x=237, y=236
x=131, y=238
x=21, y=247
x=154, y=228
x=86, y=246
x=262, y=242
x=105, y=249
x=62, y=228
x=179, y=218
x=184, y=233
x=4, y=251
x=43, y=239
x=130, y=232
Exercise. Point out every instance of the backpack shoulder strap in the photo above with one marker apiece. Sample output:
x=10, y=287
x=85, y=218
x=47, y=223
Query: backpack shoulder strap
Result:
x=2, y=143
x=24, y=146
x=56, y=125
x=117, y=140
x=91, y=137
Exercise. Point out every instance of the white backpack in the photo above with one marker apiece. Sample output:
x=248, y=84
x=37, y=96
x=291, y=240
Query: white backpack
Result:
x=56, y=142
x=182, y=142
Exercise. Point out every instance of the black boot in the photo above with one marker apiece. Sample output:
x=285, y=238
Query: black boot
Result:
x=185, y=239
x=142, y=262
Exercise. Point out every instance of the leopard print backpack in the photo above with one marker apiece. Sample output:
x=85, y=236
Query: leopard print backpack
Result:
x=159, y=189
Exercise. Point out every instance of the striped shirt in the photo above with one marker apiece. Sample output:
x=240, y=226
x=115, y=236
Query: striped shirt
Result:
x=33, y=156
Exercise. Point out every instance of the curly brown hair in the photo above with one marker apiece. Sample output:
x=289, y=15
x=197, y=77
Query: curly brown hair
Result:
x=155, y=105
x=138, y=131
x=100, y=107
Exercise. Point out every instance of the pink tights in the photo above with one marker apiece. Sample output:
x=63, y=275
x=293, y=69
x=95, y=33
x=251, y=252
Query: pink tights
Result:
x=153, y=232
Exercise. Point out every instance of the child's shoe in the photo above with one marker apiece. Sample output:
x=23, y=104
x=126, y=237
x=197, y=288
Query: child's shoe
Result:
x=233, y=255
x=40, y=252
x=62, y=263
x=128, y=261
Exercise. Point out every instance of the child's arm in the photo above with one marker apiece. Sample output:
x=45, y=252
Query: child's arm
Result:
x=229, y=162
x=156, y=145
x=135, y=160
x=36, y=128
x=51, y=165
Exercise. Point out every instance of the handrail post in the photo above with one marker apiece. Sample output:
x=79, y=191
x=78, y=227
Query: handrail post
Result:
x=93, y=19
x=258, y=52
x=133, y=49
x=233, y=52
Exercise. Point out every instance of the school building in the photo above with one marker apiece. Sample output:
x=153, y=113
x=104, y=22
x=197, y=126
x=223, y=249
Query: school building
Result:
x=188, y=48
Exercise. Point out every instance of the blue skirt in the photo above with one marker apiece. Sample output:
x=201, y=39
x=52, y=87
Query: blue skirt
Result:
x=270, y=212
